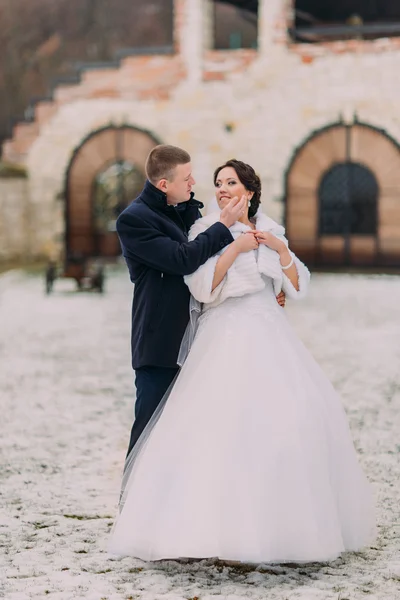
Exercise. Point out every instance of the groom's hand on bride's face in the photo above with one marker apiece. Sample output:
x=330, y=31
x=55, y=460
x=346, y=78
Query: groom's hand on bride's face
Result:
x=233, y=211
x=281, y=299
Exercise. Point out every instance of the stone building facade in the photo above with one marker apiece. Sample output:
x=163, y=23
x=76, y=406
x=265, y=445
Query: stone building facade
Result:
x=292, y=110
x=14, y=219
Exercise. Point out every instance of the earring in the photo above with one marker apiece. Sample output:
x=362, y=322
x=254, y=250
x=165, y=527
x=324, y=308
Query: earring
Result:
x=249, y=203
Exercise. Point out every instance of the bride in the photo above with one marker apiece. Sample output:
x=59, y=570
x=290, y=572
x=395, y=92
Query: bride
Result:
x=251, y=458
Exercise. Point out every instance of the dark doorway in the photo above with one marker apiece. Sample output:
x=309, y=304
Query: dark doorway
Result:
x=343, y=197
x=348, y=200
x=235, y=24
x=317, y=21
x=106, y=173
x=114, y=188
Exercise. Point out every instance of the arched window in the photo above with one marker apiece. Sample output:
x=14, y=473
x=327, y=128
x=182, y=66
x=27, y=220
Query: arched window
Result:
x=348, y=199
x=106, y=172
x=342, y=197
x=114, y=188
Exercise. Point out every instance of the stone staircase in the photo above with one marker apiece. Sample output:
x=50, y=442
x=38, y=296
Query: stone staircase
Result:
x=133, y=76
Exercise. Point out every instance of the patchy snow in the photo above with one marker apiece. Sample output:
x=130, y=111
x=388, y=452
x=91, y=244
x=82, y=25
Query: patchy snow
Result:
x=66, y=399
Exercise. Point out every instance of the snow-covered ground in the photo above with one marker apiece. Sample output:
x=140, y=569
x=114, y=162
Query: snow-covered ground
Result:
x=66, y=402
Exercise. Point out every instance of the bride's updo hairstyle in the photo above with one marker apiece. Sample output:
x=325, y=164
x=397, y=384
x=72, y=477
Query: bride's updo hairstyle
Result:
x=249, y=178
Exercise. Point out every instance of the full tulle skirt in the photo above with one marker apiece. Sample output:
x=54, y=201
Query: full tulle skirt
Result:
x=251, y=458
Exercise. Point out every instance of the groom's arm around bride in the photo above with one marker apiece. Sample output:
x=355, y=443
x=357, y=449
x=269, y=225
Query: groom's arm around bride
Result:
x=153, y=231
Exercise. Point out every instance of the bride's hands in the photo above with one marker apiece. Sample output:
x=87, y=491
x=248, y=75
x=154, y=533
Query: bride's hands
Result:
x=246, y=242
x=281, y=299
x=270, y=240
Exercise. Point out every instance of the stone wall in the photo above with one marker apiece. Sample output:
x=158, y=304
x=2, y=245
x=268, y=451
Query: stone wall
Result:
x=14, y=220
x=254, y=105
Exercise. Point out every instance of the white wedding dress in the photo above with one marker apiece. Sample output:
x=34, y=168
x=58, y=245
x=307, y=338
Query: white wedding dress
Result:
x=251, y=458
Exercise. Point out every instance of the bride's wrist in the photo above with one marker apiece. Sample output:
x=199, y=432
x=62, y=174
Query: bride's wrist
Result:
x=284, y=253
x=236, y=246
x=286, y=259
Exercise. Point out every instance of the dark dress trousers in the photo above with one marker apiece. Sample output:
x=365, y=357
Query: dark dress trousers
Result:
x=154, y=240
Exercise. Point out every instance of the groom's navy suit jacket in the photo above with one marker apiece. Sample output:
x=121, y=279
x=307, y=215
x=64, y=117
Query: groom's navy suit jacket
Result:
x=154, y=240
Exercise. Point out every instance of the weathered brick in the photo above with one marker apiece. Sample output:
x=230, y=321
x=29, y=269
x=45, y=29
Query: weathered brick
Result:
x=275, y=97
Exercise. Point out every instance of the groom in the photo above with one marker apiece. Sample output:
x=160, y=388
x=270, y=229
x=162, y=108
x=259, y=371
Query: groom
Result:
x=153, y=232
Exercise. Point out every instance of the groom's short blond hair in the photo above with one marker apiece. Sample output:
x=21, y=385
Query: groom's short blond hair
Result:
x=163, y=160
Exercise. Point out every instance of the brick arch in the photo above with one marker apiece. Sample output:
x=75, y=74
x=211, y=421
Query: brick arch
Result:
x=100, y=149
x=337, y=144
